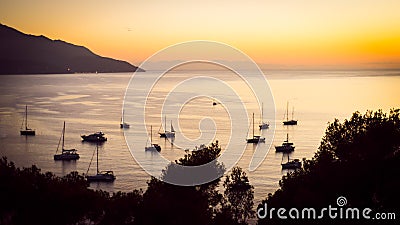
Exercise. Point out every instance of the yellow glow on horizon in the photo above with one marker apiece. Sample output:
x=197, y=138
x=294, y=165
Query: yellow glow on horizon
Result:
x=308, y=33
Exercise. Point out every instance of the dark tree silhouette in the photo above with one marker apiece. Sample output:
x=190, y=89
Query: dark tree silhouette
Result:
x=358, y=159
x=165, y=203
x=29, y=196
x=205, y=157
x=237, y=204
x=32, y=197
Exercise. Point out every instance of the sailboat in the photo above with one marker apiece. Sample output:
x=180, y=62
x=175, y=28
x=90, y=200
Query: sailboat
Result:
x=292, y=121
x=66, y=154
x=101, y=176
x=152, y=147
x=167, y=134
x=256, y=138
x=291, y=164
x=123, y=124
x=263, y=125
x=286, y=146
x=27, y=131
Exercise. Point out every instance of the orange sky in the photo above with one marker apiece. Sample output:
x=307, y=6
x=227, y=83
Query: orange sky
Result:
x=276, y=34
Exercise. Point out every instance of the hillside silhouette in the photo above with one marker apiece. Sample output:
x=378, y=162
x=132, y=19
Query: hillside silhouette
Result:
x=29, y=54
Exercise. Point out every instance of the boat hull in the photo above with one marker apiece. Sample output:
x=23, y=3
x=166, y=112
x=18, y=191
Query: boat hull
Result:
x=291, y=165
x=290, y=122
x=28, y=132
x=154, y=147
x=286, y=148
x=170, y=134
x=124, y=126
x=167, y=134
x=92, y=138
x=255, y=140
x=66, y=157
x=263, y=126
x=101, y=178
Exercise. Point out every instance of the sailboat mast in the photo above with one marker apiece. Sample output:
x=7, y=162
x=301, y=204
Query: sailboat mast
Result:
x=63, y=136
x=287, y=111
x=165, y=123
x=292, y=112
x=253, y=125
x=151, y=134
x=97, y=157
x=262, y=112
x=26, y=117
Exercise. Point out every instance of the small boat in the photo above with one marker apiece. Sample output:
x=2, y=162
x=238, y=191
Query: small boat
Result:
x=263, y=125
x=100, y=176
x=291, y=164
x=27, y=131
x=256, y=138
x=170, y=134
x=167, y=134
x=95, y=137
x=152, y=147
x=66, y=154
x=287, y=121
x=123, y=125
x=286, y=146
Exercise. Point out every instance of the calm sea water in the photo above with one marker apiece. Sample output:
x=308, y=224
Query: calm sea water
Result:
x=93, y=102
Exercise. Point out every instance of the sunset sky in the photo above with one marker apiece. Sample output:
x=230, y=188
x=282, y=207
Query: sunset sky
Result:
x=276, y=34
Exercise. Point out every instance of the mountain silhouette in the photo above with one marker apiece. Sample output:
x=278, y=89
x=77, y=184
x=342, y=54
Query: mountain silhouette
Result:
x=29, y=54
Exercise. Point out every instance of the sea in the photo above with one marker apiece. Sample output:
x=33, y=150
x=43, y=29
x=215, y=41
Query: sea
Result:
x=95, y=102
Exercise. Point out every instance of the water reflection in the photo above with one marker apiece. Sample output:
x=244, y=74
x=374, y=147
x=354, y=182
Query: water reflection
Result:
x=95, y=104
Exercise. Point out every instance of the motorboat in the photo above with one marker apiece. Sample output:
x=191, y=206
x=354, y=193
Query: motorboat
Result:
x=95, y=137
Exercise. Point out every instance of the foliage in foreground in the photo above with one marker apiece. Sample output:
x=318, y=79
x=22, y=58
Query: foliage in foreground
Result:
x=31, y=197
x=358, y=159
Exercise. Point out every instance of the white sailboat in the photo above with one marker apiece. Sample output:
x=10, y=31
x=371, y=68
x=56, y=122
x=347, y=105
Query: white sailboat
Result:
x=27, y=131
x=263, y=125
x=123, y=124
x=170, y=134
x=100, y=176
x=167, y=134
x=66, y=154
x=256, y=138
x=152, y=147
